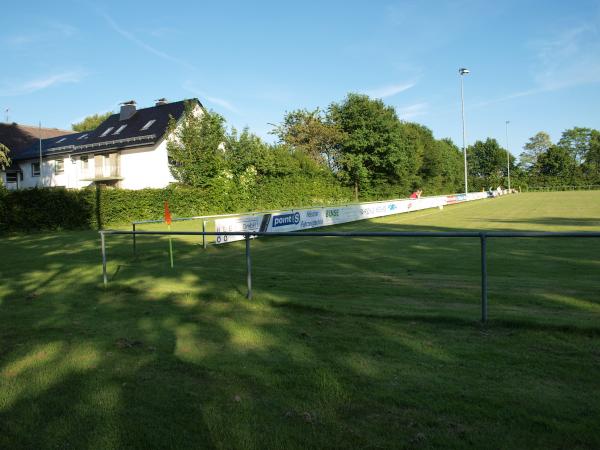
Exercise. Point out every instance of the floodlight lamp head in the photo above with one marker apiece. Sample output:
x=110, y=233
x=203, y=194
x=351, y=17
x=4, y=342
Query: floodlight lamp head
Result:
x=463, y=71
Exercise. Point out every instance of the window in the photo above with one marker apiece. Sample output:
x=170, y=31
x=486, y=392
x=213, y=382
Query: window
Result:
x=108, y=130
x=35, y=169
x=60, y=140
x=148, y=125
x=11, y=177
x=84, y=163
x=121, y=128
x=59, y=166
x=83, y=136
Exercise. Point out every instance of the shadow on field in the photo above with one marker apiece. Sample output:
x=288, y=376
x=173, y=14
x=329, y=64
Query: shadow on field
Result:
x=342, y=347
x=577, y=222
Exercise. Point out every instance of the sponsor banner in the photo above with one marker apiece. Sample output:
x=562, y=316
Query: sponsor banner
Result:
x=476, y=195
x=296, y=220
x=242, y=223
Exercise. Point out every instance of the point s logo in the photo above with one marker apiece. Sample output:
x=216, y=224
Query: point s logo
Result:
x=286, y=219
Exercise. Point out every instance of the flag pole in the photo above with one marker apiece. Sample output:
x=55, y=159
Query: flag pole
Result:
x=168, y=222
x=170, y=247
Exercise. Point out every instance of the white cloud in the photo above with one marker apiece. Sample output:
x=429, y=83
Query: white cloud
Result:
x=160, y=32
x=18, y=40
x=44, y=32
x=63, y=29
x=566, y=60
x=135, y=40
x=188, y=86
x=388, y=90
x=27, y=87
x=411, y=111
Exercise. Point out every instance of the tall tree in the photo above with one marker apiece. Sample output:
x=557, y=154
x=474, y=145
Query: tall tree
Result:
x=538, y=144
x=442, y=169
x=313, y=133
x=4, y=159
x=557, y=163
x=90, y=122
x=196, y=148
x=374, y=152
x=487, y=163
x=577, y=142
x=591, y=166
x=246, y=150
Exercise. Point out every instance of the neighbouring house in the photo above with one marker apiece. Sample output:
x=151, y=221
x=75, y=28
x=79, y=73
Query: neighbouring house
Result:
x=128, y=150
x=19, y=138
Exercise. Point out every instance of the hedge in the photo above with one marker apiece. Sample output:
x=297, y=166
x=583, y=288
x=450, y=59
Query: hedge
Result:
x=93, y=208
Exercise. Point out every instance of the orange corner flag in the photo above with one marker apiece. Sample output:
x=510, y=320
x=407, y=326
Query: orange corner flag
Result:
x=167, y=214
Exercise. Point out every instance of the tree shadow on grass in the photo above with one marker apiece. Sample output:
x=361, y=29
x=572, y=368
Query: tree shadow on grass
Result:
x=342, y=352
x=577, y=222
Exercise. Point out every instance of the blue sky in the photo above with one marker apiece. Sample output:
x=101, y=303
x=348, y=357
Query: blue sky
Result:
x=535, y=63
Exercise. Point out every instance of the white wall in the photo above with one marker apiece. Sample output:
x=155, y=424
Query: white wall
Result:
x=47, y=177
x=142, y=167
x=70, y=178
x=146, y=167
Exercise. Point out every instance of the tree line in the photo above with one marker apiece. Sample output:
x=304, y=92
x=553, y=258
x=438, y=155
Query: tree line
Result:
x=361, y=142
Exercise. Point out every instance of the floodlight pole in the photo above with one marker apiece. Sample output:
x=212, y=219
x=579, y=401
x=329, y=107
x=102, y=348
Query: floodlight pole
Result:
x=463, y=71
x=507, y=155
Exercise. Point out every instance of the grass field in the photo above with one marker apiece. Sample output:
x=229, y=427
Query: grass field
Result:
x=362, y=343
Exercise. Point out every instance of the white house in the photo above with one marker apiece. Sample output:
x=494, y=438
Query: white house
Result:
x=128, y=150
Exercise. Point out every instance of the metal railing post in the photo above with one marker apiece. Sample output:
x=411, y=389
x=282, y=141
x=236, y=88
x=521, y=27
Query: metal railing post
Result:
x=104, y=276
x=134, y=240
x=203, y=235
x=248, y=268
x=484, y=305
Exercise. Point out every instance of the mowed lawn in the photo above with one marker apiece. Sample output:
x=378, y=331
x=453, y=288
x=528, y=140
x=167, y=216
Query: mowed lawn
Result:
x=348, y=343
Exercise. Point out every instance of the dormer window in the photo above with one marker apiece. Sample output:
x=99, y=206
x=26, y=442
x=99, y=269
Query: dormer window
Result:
x=148, y=125
x=61, y=140
x=121, y=128
x=83, y=136
x=108, y=130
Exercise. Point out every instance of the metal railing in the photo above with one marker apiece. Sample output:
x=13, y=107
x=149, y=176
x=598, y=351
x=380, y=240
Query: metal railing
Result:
x=482, y=235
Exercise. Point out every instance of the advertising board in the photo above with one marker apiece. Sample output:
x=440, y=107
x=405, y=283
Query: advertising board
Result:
x=303, y=219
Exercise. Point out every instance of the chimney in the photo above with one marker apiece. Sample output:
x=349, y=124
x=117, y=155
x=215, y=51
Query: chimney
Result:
x=127, y=110
x=161, y=101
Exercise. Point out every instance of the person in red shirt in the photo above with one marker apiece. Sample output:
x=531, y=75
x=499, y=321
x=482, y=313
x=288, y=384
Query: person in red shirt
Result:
x=416, y=194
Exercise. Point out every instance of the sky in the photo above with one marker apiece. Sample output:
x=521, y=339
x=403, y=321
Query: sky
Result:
x=533, y=63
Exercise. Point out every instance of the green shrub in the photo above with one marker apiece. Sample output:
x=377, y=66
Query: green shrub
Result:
x=91, y=208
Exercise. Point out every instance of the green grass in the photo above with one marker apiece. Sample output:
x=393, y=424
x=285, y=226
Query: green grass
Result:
x=362, y=343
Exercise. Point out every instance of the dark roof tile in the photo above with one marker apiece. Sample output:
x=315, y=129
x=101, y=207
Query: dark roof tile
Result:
x=130, y=136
